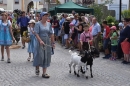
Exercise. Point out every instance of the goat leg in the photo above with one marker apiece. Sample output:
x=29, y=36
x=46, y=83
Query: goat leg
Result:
x=70, y=67
x=78, y=71
x=74, y=69
x=91, y=71
x=86, y=72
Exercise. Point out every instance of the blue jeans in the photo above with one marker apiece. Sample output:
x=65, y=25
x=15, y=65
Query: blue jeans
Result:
x=105, y=43
x=63, y=41
x=56, y=31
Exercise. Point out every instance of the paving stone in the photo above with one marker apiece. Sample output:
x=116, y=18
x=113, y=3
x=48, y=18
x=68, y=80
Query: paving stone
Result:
x=22, y=73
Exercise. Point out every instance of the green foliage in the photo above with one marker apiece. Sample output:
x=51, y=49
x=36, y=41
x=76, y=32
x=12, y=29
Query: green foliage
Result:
x=126, y=14
x=58, y=2
x=99, y=10
x=111, y=20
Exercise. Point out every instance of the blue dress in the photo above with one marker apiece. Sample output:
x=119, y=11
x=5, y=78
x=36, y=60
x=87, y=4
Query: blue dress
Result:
x=31, y=43
x=42, y=54
x=5, y=35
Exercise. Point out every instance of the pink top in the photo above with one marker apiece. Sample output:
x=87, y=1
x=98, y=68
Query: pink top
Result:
x=85, y=37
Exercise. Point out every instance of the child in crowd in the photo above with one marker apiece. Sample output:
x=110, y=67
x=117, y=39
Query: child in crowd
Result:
x=114, y=42
x=72, y=35
x=85, y=38
x=32, y=36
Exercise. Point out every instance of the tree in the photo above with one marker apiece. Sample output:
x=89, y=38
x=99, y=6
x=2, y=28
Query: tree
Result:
x=58, y=2
x=99, y=11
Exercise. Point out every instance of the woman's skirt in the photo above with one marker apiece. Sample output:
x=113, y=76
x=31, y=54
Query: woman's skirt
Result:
x=42, y=54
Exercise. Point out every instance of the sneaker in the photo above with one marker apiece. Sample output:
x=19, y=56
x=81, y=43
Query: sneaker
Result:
x=45, y=76
x=37, y=72
x=124, y=62
x=2, y=59
x=23, y=47
x=8, y=61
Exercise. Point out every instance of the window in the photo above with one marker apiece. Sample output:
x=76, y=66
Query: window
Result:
x=40, y=3
x=16, y=1
x=53, y=1
x=1, y=1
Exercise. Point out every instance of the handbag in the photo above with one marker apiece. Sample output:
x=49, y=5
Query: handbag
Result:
x=125, y=47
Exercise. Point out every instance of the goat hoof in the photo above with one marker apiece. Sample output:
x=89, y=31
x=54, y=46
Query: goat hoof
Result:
x=69, y=71
x=78, y=75
x=74, y=72
x=91, y=76
x=86, y=77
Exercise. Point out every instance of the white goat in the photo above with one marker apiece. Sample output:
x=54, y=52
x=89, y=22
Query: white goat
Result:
x=76, y=60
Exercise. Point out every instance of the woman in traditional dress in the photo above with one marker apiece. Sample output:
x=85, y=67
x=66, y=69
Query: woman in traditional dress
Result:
x=6, y=36
x=44, y=34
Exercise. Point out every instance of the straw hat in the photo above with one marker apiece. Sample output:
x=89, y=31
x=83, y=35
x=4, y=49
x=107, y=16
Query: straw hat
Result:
x=32, y=21
x=68, y=18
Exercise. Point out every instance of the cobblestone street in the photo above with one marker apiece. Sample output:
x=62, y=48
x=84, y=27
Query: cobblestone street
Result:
x=22, y=73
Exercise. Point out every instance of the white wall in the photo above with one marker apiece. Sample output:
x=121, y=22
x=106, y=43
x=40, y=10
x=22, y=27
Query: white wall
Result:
x=115, y=2
x=18, y=6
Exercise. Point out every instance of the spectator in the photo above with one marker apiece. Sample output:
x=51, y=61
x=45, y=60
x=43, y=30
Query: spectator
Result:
x=114, y=42
x=106, y=39
x=55, y=25
x=124, y=37
x=66, y=31
x=75, y=20
x=23, y=21
x=96, y=30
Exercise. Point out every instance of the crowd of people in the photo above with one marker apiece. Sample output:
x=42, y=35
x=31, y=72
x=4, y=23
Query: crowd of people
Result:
x=79, y=31
x=71, y=31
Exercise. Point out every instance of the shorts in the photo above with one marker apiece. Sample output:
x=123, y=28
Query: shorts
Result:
x=85, y=46
x=22, y=30
x=105, y=43
x=56, y=31
x=66, y=36
x=114, y=48
x=79, y=37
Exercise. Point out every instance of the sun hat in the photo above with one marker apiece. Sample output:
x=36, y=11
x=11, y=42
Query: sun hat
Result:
x=32, y=21
x=113, y=28
x=71, y=17
x=120, y=24
x=68, y=18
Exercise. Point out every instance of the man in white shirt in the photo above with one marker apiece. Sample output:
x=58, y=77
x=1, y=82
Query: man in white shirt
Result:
x=75, y=20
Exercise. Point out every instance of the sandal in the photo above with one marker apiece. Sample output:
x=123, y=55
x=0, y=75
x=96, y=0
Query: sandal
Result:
x=37, y=72
x=45, y=76
x=29, y=58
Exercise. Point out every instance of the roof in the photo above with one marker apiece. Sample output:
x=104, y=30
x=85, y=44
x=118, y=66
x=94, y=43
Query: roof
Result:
x=68, y=7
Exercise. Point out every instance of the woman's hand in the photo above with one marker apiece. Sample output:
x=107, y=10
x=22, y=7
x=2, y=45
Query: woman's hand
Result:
x=13, y=39
x=42, y=43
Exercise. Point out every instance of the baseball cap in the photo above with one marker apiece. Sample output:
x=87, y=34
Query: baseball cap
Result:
x=43, y=13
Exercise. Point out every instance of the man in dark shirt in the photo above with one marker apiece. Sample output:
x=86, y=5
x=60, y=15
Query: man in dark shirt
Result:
x=23, y=23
